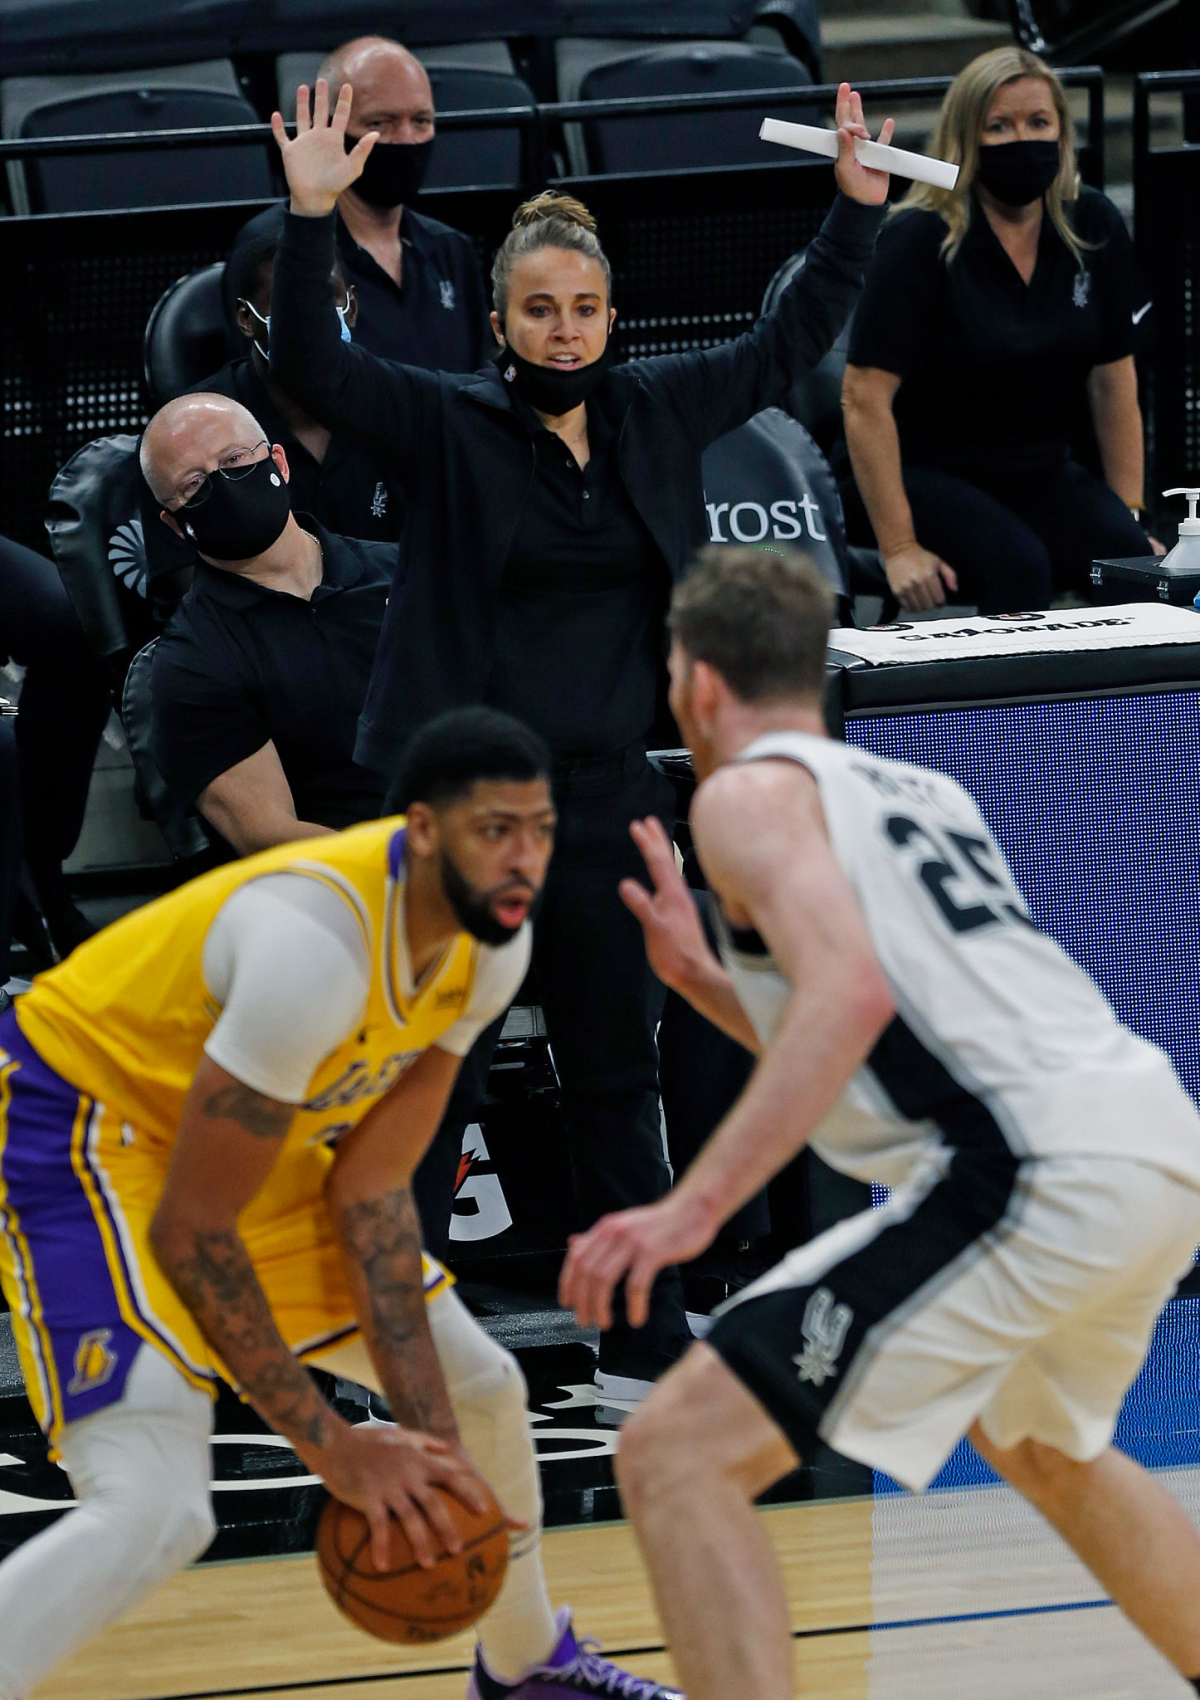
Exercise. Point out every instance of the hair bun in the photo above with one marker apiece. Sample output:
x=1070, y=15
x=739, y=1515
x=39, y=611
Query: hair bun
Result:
x=553, y=204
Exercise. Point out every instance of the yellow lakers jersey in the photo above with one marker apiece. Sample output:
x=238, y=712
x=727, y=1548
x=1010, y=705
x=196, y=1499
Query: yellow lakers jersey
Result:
x=123, y=1023
x=124, y=1019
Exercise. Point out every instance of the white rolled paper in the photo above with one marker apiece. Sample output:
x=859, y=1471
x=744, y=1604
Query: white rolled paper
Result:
x=809, y=139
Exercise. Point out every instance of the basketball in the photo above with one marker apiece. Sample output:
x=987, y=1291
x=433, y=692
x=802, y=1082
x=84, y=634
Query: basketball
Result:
x=404, y=1602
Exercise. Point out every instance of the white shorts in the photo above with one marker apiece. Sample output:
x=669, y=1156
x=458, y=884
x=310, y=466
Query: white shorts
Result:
x=890, y=1334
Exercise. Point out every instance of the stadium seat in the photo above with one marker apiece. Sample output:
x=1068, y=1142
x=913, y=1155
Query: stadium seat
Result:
x=768, y=482
x=816, y=400
x=181, y=828
x=96, y=537
x=467, y=77
x=186, y=336
x=166, y=98
x=591, y=71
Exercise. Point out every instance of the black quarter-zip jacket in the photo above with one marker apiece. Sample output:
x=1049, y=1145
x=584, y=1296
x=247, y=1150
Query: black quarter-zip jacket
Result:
x=466, y=460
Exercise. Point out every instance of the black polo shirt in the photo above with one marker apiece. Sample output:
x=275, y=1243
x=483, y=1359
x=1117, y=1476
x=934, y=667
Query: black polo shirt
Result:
x=580, y=624
x=240, y=665
x=993, y=369
x=436, y=317
x=349, y=491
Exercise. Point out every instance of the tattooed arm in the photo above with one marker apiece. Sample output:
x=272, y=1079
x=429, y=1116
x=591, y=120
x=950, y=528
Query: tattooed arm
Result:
x=227, y=1142
x=369, y=1197
x=229, y=1137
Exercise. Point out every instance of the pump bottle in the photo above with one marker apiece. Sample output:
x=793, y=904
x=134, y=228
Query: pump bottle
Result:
x=1185, y=556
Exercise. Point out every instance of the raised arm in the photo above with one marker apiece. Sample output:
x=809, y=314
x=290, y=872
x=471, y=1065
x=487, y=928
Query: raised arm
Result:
x=714, y=390
x=347, y=389
x=761, y=839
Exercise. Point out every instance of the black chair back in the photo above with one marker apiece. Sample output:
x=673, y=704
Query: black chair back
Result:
x=97, y=539
x=675, y=142
x=187, y=337
x=489, y=158
x=185, y=836
x=100, y=182
x=816, y=400
x=768, y=482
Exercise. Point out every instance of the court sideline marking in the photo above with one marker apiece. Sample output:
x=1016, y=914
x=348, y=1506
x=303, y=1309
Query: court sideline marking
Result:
x=630, y=1652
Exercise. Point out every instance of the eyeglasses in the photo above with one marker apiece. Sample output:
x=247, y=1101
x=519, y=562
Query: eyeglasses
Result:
x=238, y=463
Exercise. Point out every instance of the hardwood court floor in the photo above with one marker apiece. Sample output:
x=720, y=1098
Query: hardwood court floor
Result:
x=962, y=1595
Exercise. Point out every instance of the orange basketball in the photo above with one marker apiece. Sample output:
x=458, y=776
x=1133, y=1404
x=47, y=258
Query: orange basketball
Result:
x=404, y=1602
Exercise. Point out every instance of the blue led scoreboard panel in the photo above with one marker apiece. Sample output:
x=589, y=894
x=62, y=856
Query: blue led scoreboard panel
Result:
x=1096, y=803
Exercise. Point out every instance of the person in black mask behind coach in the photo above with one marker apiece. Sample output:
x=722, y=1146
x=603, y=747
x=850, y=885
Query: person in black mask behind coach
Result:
x=994, y=318
x=552, y=498
x=418, y=285
x=260, y=675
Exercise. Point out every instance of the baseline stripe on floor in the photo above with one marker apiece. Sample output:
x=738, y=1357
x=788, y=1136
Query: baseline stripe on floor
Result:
x=632, y=1652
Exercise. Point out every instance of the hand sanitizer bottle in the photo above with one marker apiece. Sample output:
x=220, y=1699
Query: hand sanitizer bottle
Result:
x=1185, y=556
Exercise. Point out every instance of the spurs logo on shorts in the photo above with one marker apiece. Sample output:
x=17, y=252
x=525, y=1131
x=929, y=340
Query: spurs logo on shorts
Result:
x=825, y=1326
x=94, y=1362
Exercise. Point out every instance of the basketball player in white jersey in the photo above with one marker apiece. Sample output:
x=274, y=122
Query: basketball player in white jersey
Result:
x=916, y=1028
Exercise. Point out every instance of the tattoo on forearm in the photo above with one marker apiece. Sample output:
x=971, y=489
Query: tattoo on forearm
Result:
x=382, y=1237
x=266, y=1118
x=215, y=1278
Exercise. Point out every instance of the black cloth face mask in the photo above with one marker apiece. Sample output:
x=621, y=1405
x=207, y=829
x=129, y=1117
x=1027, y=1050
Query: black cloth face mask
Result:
x=552, y=390
x=394, y=172
x=238, y=519
x=1018, y=172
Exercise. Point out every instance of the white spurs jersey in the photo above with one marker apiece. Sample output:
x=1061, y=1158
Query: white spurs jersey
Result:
x=997, y=1033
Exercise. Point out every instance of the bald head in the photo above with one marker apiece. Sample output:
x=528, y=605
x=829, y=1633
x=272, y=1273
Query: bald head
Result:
x=193, y=434
x=391, y=88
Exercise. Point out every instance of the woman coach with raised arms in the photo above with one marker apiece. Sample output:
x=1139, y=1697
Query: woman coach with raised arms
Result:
x=552, y=499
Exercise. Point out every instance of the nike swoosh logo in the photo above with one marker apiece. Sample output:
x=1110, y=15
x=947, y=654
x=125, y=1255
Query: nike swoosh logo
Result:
x=1141, y=313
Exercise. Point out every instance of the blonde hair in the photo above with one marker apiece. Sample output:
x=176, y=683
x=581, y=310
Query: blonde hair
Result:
x=549, y=220
x=960, y=124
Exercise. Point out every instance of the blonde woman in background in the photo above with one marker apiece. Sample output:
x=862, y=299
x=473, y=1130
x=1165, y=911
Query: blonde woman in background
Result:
x=994, y=318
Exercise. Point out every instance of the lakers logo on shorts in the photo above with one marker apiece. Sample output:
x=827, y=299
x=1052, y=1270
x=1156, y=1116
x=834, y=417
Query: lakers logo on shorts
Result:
x=94, y=1362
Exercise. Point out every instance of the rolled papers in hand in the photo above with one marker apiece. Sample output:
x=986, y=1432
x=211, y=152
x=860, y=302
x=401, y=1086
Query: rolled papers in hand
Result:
x=810, y=139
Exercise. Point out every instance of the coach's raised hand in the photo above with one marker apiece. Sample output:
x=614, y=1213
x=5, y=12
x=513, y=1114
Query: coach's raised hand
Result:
x=316, y=162
x=858, y=181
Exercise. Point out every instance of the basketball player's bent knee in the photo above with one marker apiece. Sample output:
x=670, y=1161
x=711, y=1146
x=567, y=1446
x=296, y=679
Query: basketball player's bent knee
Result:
x=699, y=1422
x=1038, y=1471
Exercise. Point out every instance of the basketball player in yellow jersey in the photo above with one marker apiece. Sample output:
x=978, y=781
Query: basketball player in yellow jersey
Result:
x=209, y=1119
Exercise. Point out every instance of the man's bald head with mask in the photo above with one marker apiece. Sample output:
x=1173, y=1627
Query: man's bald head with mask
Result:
x=392, y=95
x=222, y=485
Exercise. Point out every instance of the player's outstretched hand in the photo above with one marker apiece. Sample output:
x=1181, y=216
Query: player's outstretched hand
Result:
x=676, y=947
x=633, y=1246
x=395, y=1472
x=317, y=165
x=859, y=181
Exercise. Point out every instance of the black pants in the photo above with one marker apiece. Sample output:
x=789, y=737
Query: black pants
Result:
x=602, y=1006
x=1013, y=542
x=65, y=701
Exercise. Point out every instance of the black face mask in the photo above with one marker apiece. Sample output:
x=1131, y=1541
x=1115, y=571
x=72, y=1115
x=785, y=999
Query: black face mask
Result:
x=471, y=909
x=1018, y=172
x=240, y=518
x=550, y=389
x=394, y=172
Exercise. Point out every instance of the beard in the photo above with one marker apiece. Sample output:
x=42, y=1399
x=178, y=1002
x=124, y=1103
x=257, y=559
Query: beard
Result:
x=472, y=906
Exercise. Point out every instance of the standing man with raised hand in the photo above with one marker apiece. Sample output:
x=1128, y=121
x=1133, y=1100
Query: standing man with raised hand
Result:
x=420, y=292
x=552, y=499
x=916, y=1028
